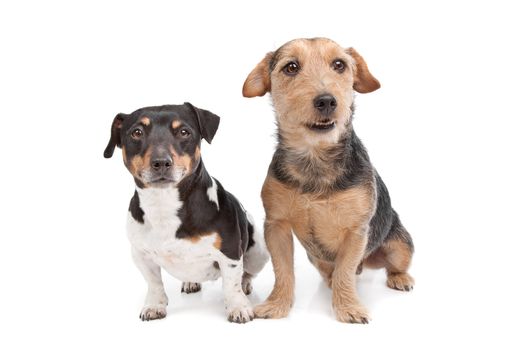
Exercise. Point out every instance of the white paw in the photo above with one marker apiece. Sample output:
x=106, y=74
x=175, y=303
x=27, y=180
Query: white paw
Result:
x=241, y=314
x=153, y=312
x=239, y=308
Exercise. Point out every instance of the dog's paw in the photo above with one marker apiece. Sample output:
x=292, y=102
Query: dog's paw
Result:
x=153, y=312
x=400, y=281
x=239, y=308
x=351, y=314
x=190, y=287
x=241, y=314
x=273, y=309
x=247, y=286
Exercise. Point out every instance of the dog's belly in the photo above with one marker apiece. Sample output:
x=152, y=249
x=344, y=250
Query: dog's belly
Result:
x=190, y=260
x=315, y=248
x=188, y=269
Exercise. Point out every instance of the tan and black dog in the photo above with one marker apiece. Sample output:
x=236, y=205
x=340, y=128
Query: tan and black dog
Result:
x=321, y=184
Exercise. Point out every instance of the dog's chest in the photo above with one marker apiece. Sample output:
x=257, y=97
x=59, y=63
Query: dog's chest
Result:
x=317, y=225
x=321, y=225
x=189, y=259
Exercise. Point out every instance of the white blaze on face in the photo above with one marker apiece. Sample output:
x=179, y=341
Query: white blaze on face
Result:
x=212, y=193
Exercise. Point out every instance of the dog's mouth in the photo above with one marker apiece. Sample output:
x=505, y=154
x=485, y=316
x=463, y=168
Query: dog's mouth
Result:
x=323, y=125
x=160, y=180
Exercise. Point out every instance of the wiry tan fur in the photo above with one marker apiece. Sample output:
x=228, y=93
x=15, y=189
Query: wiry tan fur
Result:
x=331, y=225
x=336, y=249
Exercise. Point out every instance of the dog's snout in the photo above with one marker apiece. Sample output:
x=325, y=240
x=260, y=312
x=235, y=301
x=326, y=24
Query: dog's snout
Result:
x=325, y=104
x=162, y=164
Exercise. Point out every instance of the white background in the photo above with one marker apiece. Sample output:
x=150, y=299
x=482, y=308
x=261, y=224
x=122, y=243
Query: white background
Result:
x=445, y=131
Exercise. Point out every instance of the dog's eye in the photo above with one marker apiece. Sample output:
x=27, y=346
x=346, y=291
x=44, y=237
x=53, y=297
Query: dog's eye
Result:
x=184, y=133
x=339, y=66
x=291, y=68
x=137, y=134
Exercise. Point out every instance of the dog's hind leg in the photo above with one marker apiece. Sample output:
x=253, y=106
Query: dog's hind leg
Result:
x=255, y=257
x=190, y=287
x=395, y=254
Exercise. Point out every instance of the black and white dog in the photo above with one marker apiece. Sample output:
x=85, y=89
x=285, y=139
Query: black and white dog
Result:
x=180, y=218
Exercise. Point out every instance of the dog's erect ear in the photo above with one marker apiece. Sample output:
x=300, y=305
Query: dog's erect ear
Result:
x=258, y=81
x=364, y=81
x=114, y=139
x=208, y=122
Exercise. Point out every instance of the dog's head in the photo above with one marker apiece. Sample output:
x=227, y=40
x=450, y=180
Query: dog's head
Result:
x=161, y=145
x=312, y=83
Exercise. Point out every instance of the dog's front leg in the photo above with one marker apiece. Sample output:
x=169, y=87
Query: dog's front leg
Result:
x=345, y=300
x=156, y=299
x=238, y=306
x=279, y=240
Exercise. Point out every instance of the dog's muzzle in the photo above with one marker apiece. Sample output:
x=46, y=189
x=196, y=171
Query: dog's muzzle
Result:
x=323, y=125
x=163, y=170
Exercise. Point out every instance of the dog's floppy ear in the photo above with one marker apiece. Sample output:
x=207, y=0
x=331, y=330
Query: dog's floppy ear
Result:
x=364, y=81
x=258, y=81
x=208, y=122
x=114, y=139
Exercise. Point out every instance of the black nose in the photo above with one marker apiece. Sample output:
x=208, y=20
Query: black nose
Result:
x=161, y=164
x=325, y=103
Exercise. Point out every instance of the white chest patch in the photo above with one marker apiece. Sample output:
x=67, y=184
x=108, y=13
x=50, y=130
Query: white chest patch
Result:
x=212, y=193
x=190, y=259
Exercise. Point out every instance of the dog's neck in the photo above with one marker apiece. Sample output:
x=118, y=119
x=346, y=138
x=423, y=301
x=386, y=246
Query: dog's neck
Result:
x=160, y=206
x=313, y=168
x=320, y=169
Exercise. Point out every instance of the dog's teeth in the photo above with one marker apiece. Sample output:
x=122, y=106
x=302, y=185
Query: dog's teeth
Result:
x=323, y=124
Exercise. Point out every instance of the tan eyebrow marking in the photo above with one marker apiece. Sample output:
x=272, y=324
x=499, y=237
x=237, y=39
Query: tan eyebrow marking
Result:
x=175, y=124
x=145, y=121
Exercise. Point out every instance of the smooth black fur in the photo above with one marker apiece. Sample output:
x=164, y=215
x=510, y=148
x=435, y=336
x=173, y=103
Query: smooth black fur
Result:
x=134, y=208
x=198, y=215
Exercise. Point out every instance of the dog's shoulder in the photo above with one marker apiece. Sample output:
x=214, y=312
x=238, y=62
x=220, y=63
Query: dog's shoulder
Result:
x=233, y=225
x=358, y=169
x=209, y=208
